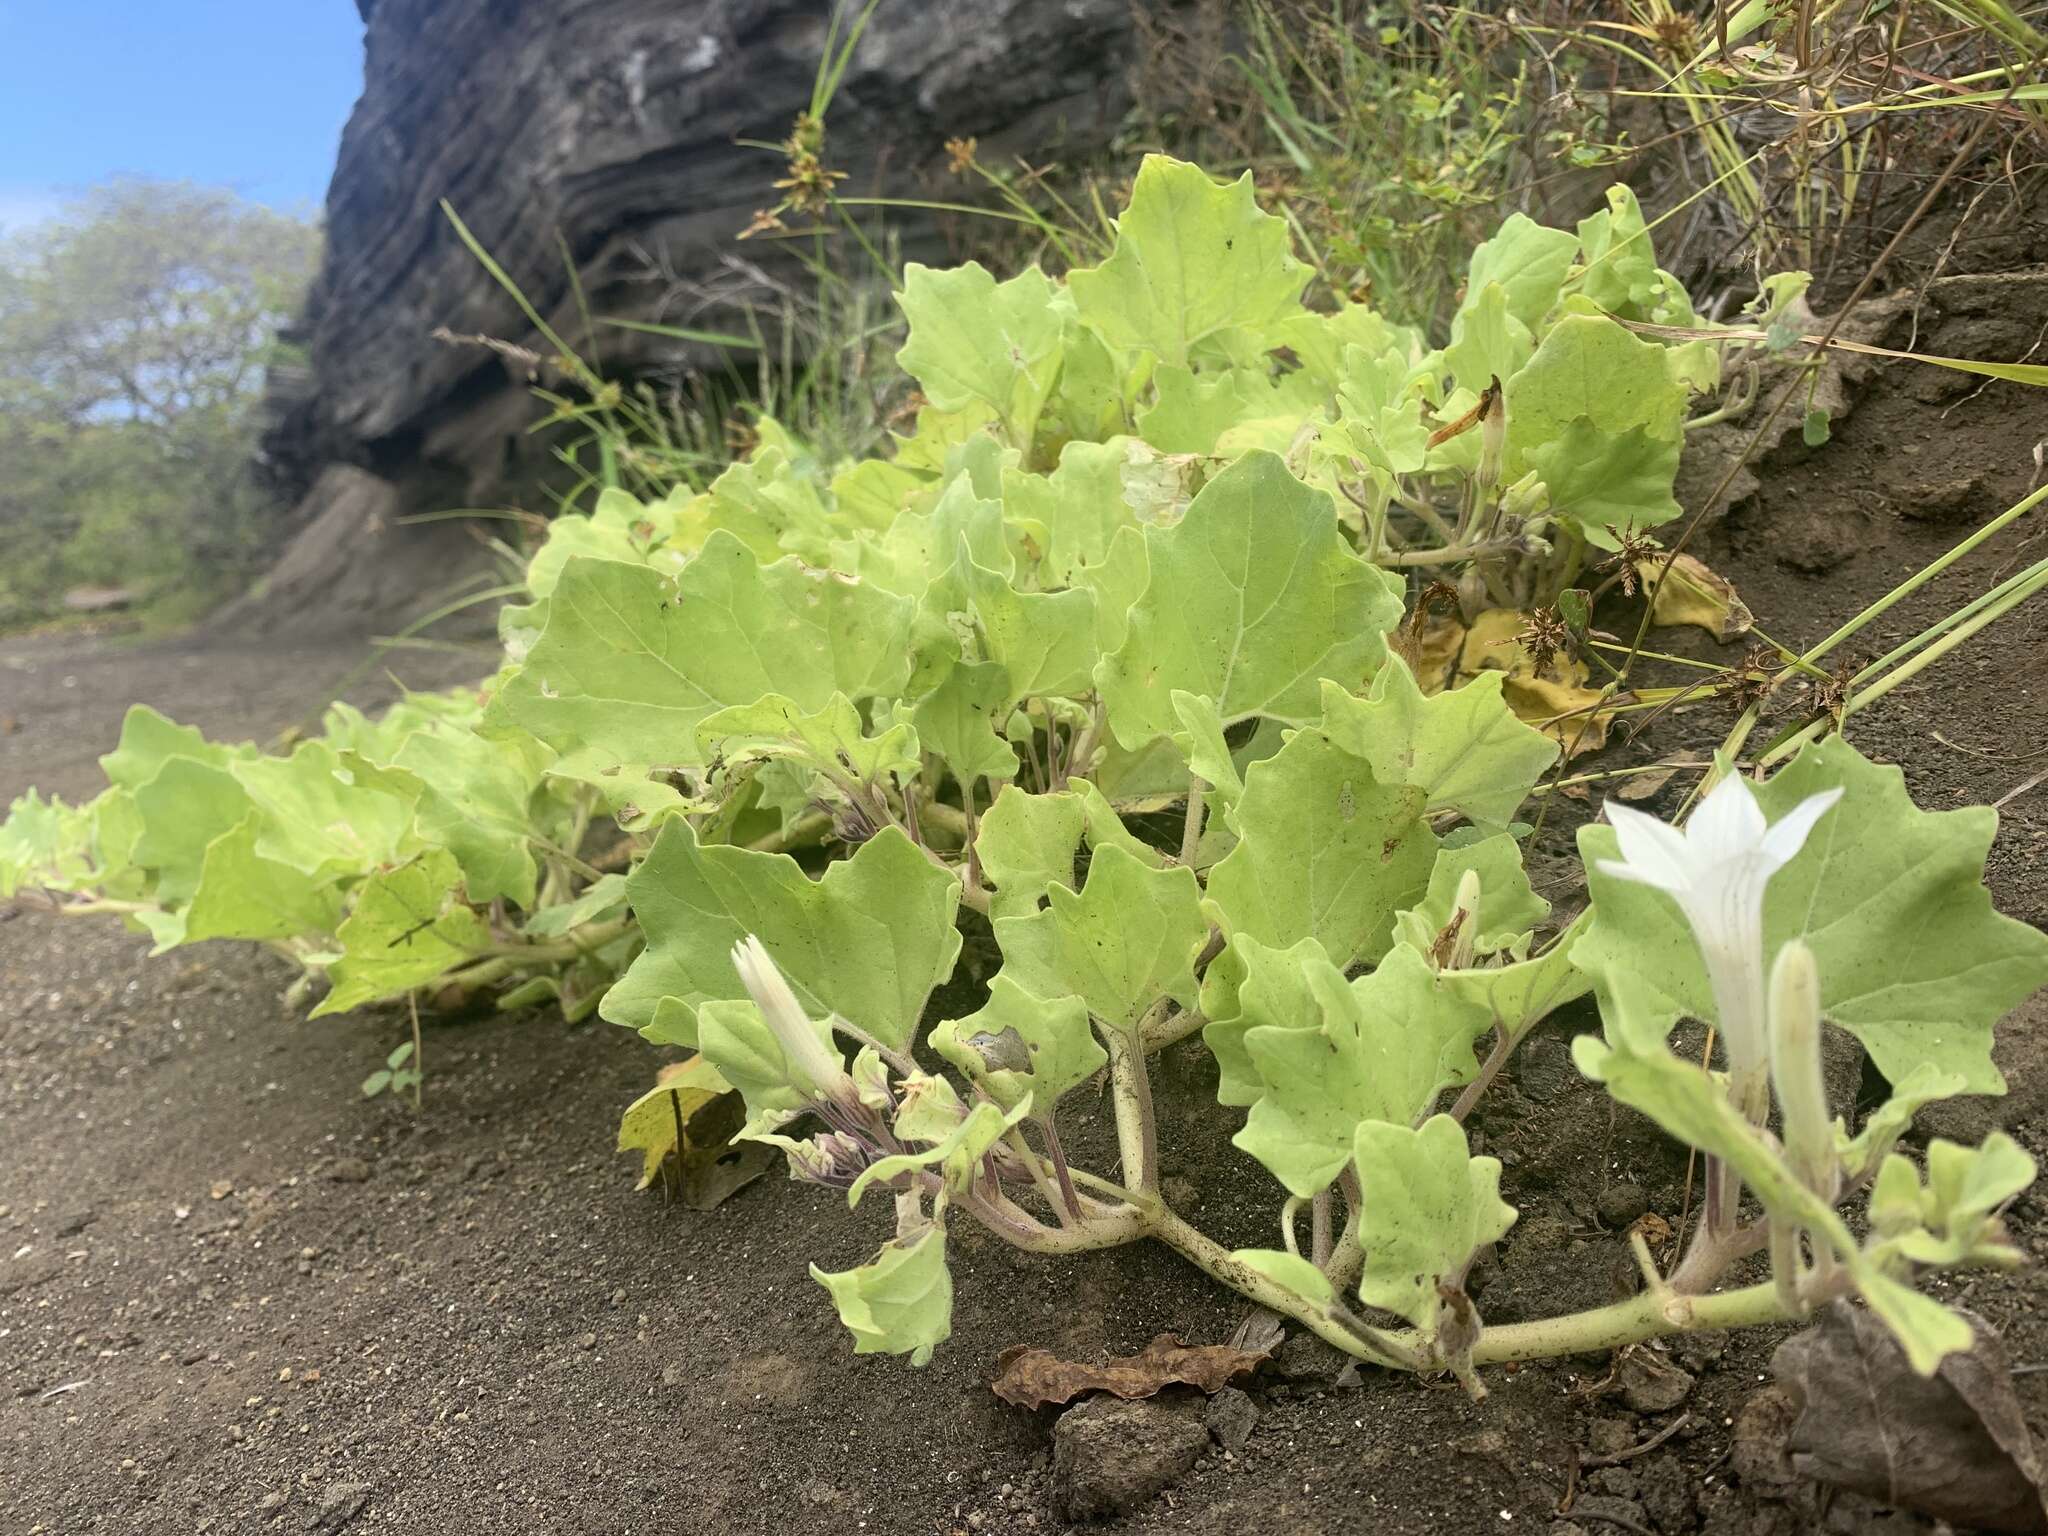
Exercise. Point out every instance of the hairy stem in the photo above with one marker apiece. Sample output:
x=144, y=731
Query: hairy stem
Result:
x=1137, y=1133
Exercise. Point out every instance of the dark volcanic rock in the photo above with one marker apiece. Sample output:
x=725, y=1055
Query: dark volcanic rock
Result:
x=608, y=129
x=1109, y=1456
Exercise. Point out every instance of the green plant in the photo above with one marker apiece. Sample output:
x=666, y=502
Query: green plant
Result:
x=1145, y=553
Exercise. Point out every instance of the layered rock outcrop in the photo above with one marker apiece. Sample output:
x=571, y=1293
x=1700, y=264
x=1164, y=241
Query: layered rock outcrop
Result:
x=607, y=135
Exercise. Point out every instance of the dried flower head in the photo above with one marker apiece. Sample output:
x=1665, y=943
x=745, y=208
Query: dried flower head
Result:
x=1632, y=551
x=960, y=155
x=1543, y=634
x=808, y=184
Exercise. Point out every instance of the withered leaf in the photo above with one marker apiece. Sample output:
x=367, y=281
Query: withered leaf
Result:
x=1953, y=1445
x=1031, y=1378
x=1642, y=786
x=1692, y=593
x=686, y=1123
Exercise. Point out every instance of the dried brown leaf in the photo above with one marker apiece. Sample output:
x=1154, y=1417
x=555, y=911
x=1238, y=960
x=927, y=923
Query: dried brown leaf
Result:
x=1031, y=1378
x=1691, y=593
x=1641, y=786
x=1953, y=1445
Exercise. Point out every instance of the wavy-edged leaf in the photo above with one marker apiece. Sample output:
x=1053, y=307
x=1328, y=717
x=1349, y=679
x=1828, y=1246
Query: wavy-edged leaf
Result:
x=868, y=941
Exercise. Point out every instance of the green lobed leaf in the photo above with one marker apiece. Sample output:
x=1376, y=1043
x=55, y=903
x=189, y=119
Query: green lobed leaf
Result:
x=1596, y=479
x=1590, y=368
x=1953, y=1218
x=956, y=721
x=1250, y=985
x=1028, y=843
x=183, y=808
x=476, y=800
x=409, y=926
x=834, y=740
x=868, y=941
x=44, y=844
x=1017, y=1046
x=631, y=663
x=1128, y=938
x=148, y=741
x=1326, y=851
x=1509, y=908
x=318, y=817
x=1529, y=261
x=1044, y=641
x=974, y=339
x=1193, y=258
x=1253, y=599
x=243, y=895
x=1464, y=748
x=1387, y=1045
x=901, y=1301
x=1429, y=1207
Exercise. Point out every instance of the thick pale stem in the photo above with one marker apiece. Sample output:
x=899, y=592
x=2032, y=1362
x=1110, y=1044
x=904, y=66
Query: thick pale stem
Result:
x=1171, y=1030
x=1347, y=1259
x=1137, y=1134
x=1109, y=1227
x=1648, y=1315
x=1319, y=1229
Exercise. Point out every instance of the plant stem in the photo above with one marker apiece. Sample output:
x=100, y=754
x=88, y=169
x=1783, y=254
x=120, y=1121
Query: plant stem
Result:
x=1451, y=554
x=1926, y=574
x=1137, y=1135
x=1103, y=1228
x=1647, y=1315
x=1058, y=1154
x=1191, y=822
x=1909, y=669
x=1172, y=1029
x=1504, y=1045
x=1347, y=1334
x=1036, y=1167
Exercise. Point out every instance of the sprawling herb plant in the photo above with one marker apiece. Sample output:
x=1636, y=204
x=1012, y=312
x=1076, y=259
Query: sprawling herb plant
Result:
x=1142, y=555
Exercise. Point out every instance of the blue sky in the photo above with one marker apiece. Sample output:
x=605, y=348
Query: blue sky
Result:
x=246, y=94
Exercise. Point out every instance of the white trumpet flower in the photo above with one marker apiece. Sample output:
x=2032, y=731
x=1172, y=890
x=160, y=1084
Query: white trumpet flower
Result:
x=1717, y=868
x=810, y=1060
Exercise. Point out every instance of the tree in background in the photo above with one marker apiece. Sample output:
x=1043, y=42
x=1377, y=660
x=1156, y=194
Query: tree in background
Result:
x=135, y=328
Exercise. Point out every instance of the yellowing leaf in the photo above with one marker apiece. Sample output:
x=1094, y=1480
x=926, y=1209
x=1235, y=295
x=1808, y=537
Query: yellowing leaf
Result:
x=691, y=1111
x=1690, y=593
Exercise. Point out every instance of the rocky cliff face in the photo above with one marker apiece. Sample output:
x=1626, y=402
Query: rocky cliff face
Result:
x=609, y=129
